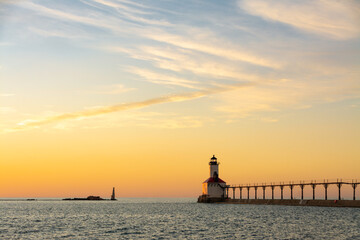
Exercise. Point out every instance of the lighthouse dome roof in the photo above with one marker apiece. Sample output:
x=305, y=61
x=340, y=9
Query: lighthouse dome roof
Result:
x=212, y=180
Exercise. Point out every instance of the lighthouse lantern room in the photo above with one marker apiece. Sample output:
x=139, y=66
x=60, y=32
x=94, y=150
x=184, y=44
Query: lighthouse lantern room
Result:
x=214, y=187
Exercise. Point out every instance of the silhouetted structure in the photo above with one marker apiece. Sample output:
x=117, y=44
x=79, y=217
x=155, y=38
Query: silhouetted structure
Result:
x=113, y=194
x=92, y=198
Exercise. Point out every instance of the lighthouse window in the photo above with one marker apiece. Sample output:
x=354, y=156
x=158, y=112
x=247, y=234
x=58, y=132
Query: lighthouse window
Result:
x=204, y=188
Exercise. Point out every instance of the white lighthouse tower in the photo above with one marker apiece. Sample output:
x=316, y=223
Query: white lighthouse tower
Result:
x=213, y=188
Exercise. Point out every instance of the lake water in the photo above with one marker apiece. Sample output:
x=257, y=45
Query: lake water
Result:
x=162, y=218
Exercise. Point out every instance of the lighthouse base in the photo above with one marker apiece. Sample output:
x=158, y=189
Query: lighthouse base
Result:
x=207, y=199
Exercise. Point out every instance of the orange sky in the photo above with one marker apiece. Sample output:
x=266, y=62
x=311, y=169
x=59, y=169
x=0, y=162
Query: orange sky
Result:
x=101, y=94
x=141, y=161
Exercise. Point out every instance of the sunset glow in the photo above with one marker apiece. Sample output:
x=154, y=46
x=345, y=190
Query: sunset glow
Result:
x=138, y=95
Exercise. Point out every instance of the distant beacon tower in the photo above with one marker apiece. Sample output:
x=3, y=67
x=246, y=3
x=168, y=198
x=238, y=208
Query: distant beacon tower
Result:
x=214, y=187
x=113, y=194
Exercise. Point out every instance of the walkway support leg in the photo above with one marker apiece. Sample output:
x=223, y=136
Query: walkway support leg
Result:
x=272, y=192
x=255, y=192
x=302, y=191
x=240, y=193
x=325, y=187
x=354, y=185
x=248, y=189
x=291, y=190
x=339, y=186
x=233, y=193
x=313, y=187
x=282, y=191
x=264, y=192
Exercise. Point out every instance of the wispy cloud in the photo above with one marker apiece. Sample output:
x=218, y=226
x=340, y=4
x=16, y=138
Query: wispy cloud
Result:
x=159, y=78
x=110, y=90
x=95, y=19
x=192, y=53
x=179, y=60
x=334, y=19
x=131, y=13
x=136, y=118
x=174, y=122
x=31, y=123
x=278, y=95
x=148, y=7
x=191, y=38
x=203, y=44
x=269, y=120
x=58, y=33
x=270, y=96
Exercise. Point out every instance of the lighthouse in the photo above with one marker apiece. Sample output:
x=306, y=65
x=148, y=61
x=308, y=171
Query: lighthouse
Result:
x=113, y=194
x=213, y=189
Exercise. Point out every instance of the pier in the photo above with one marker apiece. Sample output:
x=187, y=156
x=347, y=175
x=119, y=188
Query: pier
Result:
x=215, y=190
x=291, y=185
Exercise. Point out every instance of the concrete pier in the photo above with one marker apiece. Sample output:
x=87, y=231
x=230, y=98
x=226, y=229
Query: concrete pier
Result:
x=289, y=202
x=282, y=201
x=216, y=190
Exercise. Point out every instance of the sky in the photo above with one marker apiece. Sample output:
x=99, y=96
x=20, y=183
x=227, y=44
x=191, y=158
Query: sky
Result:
x=138, y=95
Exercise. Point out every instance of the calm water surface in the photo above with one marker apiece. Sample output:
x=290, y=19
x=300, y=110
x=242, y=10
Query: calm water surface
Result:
x=172, y=219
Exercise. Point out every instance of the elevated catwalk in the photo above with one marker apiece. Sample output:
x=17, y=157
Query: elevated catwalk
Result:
x=313, y=184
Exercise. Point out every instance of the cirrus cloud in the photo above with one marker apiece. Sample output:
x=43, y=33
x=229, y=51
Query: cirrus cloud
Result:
x=334, y=19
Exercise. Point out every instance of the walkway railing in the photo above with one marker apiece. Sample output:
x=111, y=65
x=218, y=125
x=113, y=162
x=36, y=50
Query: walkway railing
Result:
x=291, y=184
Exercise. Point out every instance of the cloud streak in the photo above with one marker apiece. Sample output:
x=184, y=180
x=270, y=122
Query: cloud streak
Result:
x=118, y=25
x=187, y=54
x=334, y=19
x=180, y=60
x=162, y=78
x=30, y=123
x=203, y=46
x=110, y=90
